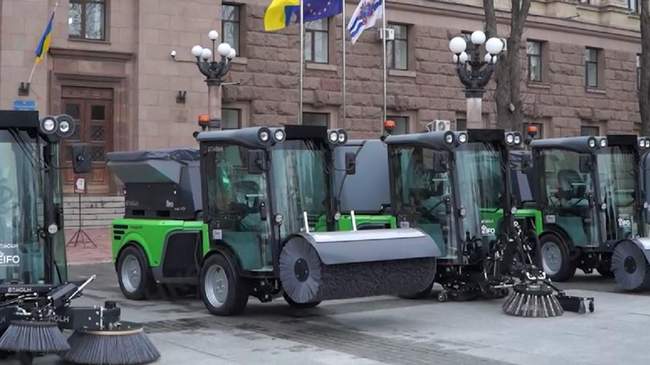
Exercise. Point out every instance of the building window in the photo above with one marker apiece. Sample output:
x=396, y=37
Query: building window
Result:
x=633, y=6
x=589, y=130
x=534, y=53
x=230, y=25
x=87, y=19
x=540, y=130
x=397, y=49
x=230, y=118
x=401, y=124
x=316, y=119
x=317, y=41
x=591, y=67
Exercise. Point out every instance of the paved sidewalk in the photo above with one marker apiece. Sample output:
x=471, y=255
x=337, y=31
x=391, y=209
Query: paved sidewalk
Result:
x=87, y=253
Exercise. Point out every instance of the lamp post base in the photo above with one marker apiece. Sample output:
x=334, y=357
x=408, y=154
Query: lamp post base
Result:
x=475, y=112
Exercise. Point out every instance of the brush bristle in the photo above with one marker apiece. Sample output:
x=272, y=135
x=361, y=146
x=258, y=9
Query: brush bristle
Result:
x=532, y=302
x=111, y=347
x=26, y=336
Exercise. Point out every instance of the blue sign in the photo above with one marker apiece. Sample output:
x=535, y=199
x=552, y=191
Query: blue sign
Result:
x=24, y=104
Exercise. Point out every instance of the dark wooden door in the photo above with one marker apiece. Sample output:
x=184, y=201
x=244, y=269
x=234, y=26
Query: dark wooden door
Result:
x=92, y=110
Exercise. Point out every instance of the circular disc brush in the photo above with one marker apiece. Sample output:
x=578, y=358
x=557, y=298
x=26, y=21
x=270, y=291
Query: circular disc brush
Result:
x=33, y=337
x=124, y=345
x=532, y=299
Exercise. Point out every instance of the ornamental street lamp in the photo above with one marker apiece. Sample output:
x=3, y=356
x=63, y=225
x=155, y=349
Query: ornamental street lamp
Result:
x=214, y=72
x=475, y=72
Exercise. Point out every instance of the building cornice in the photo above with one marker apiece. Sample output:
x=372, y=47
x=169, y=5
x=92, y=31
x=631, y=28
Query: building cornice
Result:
x=91, y=54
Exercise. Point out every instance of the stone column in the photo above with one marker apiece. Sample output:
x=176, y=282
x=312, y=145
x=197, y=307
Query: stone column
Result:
x=474, y=112
x=214, y=104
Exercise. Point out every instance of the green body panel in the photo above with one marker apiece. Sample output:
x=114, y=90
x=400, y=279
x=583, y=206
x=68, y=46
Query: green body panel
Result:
x=345, y=222
x=150, y=235
x=492, y=218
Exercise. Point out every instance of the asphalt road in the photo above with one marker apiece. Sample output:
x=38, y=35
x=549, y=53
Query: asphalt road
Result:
x=387, y=330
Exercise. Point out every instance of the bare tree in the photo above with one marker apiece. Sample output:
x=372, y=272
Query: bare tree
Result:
x=644, y=84
x=510, y=113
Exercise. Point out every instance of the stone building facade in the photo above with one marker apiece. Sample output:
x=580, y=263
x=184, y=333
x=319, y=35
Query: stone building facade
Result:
x=110, y=67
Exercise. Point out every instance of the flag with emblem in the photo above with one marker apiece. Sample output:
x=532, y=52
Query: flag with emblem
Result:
x=279, y=13
x=318, y=9
x=364, y=17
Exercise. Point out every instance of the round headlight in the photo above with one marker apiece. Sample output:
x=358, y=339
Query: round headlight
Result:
x=343, y=136
x=510, y=138
x=513, y=210
x=279, y=135
x=647, y=143
x=462, y=212
x=52, y=228
x=517, y=139
x=337, y=216
x=462, y=138
x=603, y=206
x=449, y=138
x=48, y=125
x=333, y=136
x=64, y=127
x=603, y=143
x=278, y=218
x=592, y=142
x=641, y=143
x=264, y=134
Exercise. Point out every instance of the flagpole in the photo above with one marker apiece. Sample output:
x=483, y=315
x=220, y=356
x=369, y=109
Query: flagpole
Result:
x=344, y=31
x=31, y=74
x=302, y=56
x=383, y=20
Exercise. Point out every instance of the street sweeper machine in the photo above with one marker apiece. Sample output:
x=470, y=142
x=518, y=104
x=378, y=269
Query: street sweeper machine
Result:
x=253, y=213
x=35, y=295
x=593, y=198
x=457, y=187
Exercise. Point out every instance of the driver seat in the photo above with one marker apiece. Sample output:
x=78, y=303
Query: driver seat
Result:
x=570, y=185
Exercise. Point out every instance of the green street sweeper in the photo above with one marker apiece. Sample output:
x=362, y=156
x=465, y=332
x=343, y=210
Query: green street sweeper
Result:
x=35, y=295
x=591, y=192
x=252, y=213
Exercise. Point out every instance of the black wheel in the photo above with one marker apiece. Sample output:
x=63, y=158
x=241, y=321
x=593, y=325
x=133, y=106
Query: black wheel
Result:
x=630, y=267
x=134, y=274
x=605, y=266
x=556, y=258
x=223, y=291
x=293, y=304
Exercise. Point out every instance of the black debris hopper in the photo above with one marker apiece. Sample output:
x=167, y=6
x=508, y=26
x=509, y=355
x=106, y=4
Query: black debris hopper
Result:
x=336, y=265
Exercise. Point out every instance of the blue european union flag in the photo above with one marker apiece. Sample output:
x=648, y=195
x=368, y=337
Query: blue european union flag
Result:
x=318, y=9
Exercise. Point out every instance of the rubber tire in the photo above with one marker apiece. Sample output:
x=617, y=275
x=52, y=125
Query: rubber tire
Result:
x=293, y=304
x=637, y=280
x=568, y=266
x=426, y=292
x=146, y=284
x=237, y=296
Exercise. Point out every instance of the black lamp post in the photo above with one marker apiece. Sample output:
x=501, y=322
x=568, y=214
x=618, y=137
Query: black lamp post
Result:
x=475, y=72
x=214, y=71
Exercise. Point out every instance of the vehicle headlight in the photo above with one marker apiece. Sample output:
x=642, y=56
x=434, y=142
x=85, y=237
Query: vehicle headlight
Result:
x=641, y=143
x=449, y=138
x=510, y=138
x=264, y=134
x=333, y=136
x=462, y=138
x=603, y=143
x=343, y=136
x=279, y=135
x=647, y=143
x=592, y=143
x=517, y=139
x=52, y=228
x=48, y=125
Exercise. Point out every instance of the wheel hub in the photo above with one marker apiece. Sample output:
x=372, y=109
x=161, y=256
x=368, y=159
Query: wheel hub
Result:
x=629, y=264
x=216, y=283
x=301, y=270
x=131, y=275
x=551, y=257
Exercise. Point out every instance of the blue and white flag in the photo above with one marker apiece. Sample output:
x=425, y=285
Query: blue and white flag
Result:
x=364, y=17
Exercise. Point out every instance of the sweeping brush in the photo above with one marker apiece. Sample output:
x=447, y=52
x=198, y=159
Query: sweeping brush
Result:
x=28, y=337
x=532, y=299
x=124, y=345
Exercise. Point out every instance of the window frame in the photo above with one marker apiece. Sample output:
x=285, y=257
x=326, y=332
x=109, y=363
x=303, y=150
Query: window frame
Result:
x=539, y=56
x=592, y=62
x=238, y=22
x=326, y=114
x=633, y=6
x=390, y=45
x=405, y=118
x=584, y=127
x=82, y=26
x=239, y=117
x=311, y=32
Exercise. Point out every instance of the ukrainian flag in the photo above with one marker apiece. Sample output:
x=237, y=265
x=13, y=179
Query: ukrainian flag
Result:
x=278, y=14
x=44, y=43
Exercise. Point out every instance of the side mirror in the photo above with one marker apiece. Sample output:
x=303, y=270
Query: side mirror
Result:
x=350, y=163
x=256, y=162
x=81, y=160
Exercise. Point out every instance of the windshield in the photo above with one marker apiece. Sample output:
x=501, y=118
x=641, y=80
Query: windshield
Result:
x=421, y=192
x=300, y=183
x=618, y=183
x=21, y=209
x=480, y=187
